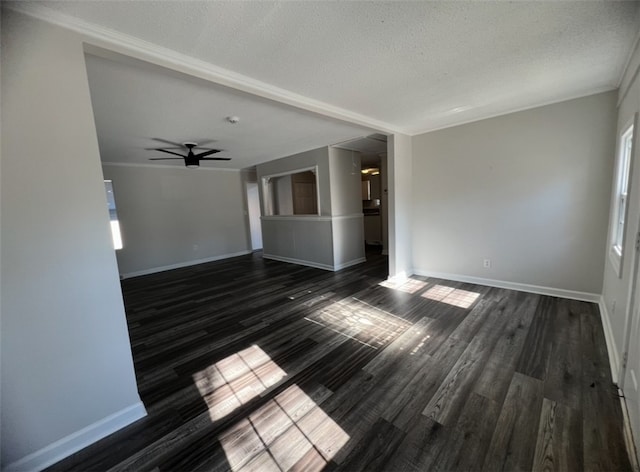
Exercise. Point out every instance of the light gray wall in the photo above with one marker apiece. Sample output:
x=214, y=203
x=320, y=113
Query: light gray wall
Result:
x=345, y=187
x=300, y=239
x=348, y=241
x=529, y=191
x=400, y=180
x=66, y=358
x=177, y=216
x=346, y=203
x=332, y=240
x=304, y=160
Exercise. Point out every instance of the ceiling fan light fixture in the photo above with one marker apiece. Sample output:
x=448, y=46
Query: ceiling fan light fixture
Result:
x=191, y=161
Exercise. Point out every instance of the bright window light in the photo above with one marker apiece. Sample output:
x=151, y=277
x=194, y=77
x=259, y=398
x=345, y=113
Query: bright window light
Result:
x=621, y=188
x=286, y=429
x=408, y=286
x=113, y=215
x=237, y=379
x=282, y=432
x=361, y=322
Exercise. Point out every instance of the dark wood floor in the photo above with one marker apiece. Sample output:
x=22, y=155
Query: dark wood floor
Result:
x=247, y=364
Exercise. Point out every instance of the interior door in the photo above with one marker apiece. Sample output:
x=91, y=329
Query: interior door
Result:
x=631, y=363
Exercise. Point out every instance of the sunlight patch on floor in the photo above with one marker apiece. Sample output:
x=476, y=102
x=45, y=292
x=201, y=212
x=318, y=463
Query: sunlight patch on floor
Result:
x=407, y=286
x=451, y=296
x=237, y=379
x=290, y=430
x=360, y=321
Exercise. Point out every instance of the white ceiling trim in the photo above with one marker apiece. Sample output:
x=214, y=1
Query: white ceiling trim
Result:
x=627, y=63
x=106, y=38
x=166, y=166
x=623, y=85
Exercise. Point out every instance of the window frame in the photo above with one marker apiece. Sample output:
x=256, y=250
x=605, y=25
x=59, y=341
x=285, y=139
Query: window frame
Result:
x=621, y=192
x=266, y=180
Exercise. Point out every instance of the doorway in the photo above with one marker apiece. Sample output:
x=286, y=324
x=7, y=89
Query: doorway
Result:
x=253, y=208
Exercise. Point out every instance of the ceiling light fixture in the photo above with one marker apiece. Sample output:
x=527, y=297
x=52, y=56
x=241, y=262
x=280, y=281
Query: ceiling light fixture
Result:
x=233, y=119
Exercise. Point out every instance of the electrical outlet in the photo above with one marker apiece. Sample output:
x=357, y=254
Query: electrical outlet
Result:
x=195, y=247
x=486, y=263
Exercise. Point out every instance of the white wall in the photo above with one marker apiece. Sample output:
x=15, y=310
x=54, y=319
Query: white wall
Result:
x=66, y=358
x=529, y=191
x=177, y=216
x=400, y=180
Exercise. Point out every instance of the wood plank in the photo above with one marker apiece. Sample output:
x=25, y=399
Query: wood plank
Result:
x=559, y=444
x=512, y=448
x=420, y=447
x=563, y=382
x=536, y=352
x=469, y=440
x=445, y=405
x=602, y=428
x=495, y=378
x=373, y=452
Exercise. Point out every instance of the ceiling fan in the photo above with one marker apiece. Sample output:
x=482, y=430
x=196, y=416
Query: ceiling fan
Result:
x=191, y=159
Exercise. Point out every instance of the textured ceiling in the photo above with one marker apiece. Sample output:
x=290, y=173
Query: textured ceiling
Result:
x=414, y=65
x=134, y=102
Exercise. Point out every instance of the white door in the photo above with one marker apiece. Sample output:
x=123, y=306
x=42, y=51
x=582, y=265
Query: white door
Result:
x=253, y=204
x=630, y=371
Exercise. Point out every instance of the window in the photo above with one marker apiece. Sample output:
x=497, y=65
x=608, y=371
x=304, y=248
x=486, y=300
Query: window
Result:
x=113, y=215
x=625, y=150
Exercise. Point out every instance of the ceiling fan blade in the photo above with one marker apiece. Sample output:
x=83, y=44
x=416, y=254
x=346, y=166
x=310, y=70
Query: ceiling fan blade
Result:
x=170, y=152
x=166, y=141
x=207, y=153
x=215, y=158
x=165, y=159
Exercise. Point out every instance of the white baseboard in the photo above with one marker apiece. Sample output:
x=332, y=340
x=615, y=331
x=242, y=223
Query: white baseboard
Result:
x=179, y=265
x=74, y=442
x=612, y=349
x=353, y=262
x=553, y=292
x=303, y=262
